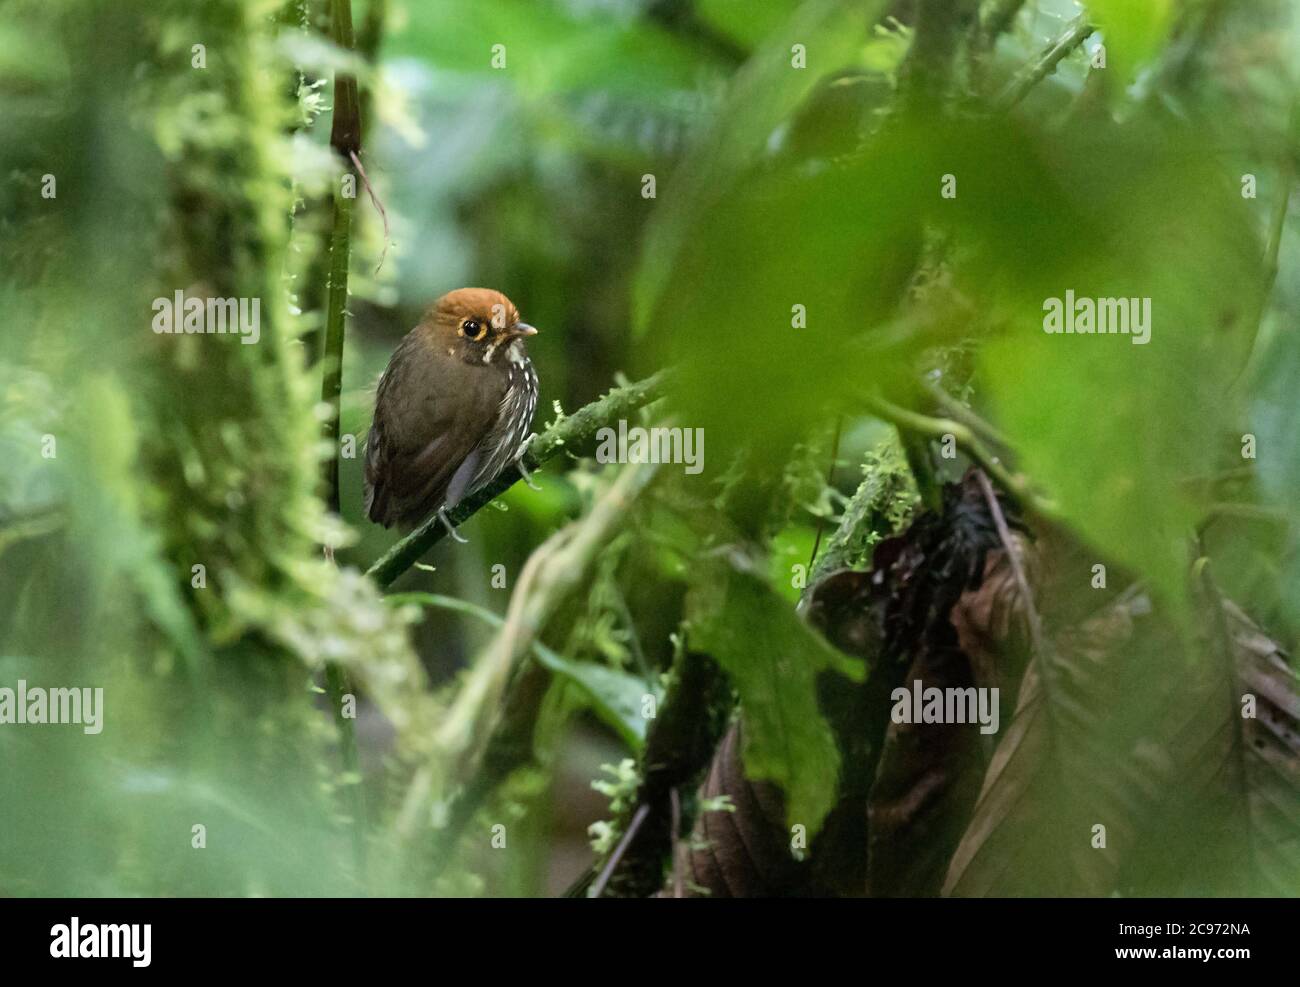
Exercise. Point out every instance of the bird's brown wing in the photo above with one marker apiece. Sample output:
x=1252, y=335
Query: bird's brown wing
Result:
x=417, y=444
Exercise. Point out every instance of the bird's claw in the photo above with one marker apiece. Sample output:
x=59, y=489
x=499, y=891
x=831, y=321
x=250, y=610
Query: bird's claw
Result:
x=451, y=529
x=519, y=463
x=528, y=477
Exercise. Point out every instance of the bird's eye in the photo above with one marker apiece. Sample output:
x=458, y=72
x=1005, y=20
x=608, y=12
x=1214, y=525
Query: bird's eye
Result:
x=472, y=329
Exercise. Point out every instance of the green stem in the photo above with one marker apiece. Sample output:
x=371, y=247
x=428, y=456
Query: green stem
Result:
x=345, y=138
x=1041, y=67
x=575, y=434
x=996, y=20
x=1246, y=512
x=953, y=408
x=336, y=302
x=916, y=450
x=966, y=440
x=925, y=76
x=1272, y=248
x=338, y=687
x=369, y=36
x=345, y=129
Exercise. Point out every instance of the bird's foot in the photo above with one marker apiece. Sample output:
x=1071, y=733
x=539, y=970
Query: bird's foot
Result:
x=528, y=477
x=519, y=463
x=451, y=529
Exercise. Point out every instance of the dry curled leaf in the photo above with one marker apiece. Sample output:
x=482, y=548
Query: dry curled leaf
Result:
x=742, y=851
x=1228, y=821
x=1129, y=767
x=954, y=610
x=1068, y=762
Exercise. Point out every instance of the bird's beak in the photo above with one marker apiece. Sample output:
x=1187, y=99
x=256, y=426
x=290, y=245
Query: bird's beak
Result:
x=522, y=329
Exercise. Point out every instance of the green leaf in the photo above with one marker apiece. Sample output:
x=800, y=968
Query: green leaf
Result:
x=1109, y=428
x=1132, y=32
x=615, y=697
x=1274, y=414
x=745, y=21
x=787, y=282
x=548, y=47
x=774, y=660
x=763, y=93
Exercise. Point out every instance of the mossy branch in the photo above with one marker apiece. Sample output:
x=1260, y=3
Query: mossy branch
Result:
x=575, y=434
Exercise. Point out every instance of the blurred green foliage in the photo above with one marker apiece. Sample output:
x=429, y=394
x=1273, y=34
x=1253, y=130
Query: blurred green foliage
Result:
x=774, y=660
x=777, y=188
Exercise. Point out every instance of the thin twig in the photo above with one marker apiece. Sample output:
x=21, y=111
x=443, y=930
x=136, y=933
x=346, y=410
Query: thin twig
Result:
x=633, y=638
x=598, y=885
x=478, y=696
x=1244, y=512
x=966, y=440
x=675, y=801
x=830, y=475
x=953, y=408
x=1013, y=557
x=1041, y=67
x=374, y=201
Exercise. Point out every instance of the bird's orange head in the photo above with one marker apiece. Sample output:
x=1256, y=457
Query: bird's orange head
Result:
x=478, y=323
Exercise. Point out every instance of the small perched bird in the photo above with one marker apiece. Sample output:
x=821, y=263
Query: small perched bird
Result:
x=452, y=409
